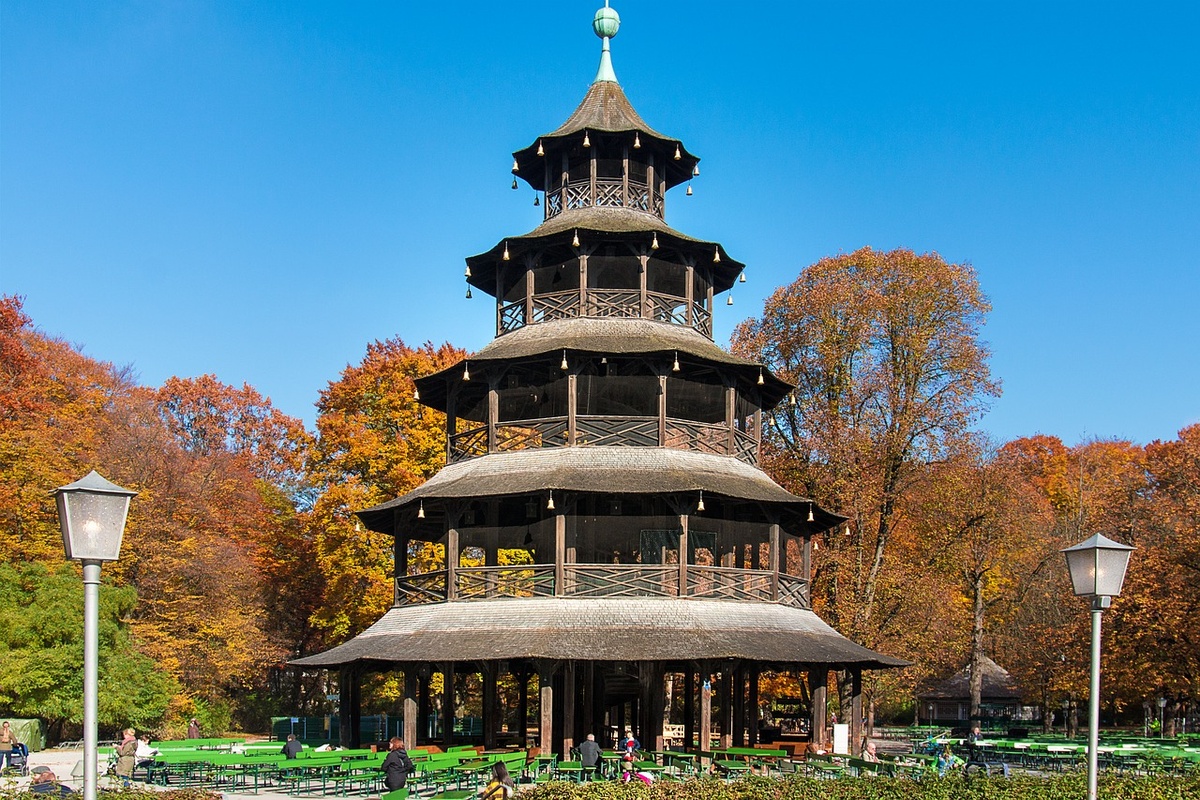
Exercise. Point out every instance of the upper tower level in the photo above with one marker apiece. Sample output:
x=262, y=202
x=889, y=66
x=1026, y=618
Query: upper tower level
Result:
x=605, y=155
x=604, y=250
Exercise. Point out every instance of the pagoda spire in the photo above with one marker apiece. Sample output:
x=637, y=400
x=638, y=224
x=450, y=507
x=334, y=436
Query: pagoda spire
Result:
x=606, y=24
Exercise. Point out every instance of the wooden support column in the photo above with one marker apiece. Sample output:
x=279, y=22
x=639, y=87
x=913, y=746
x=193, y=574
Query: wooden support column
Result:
x=523, y=676
x=572, y=409
x=448, y=709
x=452, y=561
x=683, y=555
x=410, y=705
x=662, y=410
x=689, y=707
x=569, y=704
x=587, y=697
x=856, y=712
x=705, y=709
x=731, y=419
x=738, y=729
x=818, y=685
x=644, y=298
x=493, y=412
x=349, y=705
x=773, y=559
x=752, y=705
x=529, y=278
x=560, y=549
x=583, y=287
x=500, y=275
x=757, y=435
x=657, y=705
x=491, y=705
x=452, y=419
x=546, y=706
x=726, y=721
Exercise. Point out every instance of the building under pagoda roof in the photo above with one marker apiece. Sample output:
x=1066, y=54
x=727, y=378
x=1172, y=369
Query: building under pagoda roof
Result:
x=603, y=524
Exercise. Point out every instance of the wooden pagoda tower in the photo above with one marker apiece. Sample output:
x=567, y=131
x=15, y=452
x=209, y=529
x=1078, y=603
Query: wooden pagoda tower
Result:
x=603, y=516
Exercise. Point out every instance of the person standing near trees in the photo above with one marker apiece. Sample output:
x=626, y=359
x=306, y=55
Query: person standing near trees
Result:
x=8, y=743
x=396, y=766
x=193, y=729
x=126, y=756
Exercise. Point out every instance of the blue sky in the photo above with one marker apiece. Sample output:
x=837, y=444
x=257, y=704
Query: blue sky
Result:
x=257, y=190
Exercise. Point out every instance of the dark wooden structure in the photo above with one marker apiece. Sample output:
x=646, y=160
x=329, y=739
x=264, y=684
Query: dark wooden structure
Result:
x=602, y=515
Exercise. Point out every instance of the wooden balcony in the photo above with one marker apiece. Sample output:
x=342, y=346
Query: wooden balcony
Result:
x=606, y=431
x=603, y=580
x=604, y=193
x=603, y=304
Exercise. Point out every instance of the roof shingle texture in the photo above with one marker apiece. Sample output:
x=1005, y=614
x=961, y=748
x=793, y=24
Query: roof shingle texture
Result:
x=604, y=629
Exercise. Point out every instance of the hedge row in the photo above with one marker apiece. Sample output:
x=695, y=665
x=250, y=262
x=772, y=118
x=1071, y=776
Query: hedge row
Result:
x=1059, y=787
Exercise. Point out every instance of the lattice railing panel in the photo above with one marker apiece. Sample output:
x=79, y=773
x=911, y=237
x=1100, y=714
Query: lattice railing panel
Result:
x=579, y=195
x=729, y=583
x=621, y=580
x=614, y=303
x=702, y=319
x=554, y=204
x=702, y=437
x=610, y=193
x=794, y=591
x=745, y=447
x=555, y=305
x=512, y=316
x=527, y=434
x=608, y=431
x=533, y=580
x=427, y=587
x=468, y=444
x=666, y=308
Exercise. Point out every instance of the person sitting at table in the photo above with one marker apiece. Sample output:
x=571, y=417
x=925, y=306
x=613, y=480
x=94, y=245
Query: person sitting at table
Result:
x=589, y=753
x=869, y=753
x=629, y=773
x=396, y=765
x=292, y=747
x=501, y=786
x=629, y=744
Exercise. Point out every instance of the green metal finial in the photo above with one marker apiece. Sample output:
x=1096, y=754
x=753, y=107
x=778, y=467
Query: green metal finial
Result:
x=606, y=24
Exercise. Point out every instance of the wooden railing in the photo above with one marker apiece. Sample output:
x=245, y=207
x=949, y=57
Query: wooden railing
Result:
x=605, y=431
x=610, y=193
x=604, y=580
x=602, y=304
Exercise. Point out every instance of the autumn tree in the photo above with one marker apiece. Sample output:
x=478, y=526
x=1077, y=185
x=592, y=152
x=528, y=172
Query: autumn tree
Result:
x=890, y=372
x=374, y=442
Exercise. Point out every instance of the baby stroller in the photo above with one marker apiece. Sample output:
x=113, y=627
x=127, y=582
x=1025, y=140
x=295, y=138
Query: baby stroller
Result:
x=18, y=759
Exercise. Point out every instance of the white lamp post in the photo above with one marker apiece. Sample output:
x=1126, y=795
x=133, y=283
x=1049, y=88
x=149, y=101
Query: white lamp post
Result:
x=1097, y=569
x=91, y=513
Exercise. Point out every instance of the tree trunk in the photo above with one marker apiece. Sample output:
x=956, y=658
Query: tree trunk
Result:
x=976, y=645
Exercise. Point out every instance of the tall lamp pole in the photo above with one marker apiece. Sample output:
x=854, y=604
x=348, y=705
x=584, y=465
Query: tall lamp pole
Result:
x=1097, y=568
x=91, y=513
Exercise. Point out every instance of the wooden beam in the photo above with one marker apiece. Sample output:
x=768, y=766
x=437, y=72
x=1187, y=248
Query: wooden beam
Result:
x=491, y=705
x=818, y=683
x=705, y=710
x=569, y=695
x=773, y=557
x=856, y=716
x=546, y=705
x=452, y=561
x=410, y=705
x=683, y=555
x=560, y=549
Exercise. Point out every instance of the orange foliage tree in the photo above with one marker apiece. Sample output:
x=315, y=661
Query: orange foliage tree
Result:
x=374, y=442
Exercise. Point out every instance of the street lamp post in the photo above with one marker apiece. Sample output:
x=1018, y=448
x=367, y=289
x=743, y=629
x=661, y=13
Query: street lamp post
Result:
x=91, y=513
x=1097, y=568
x=1162, y=716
